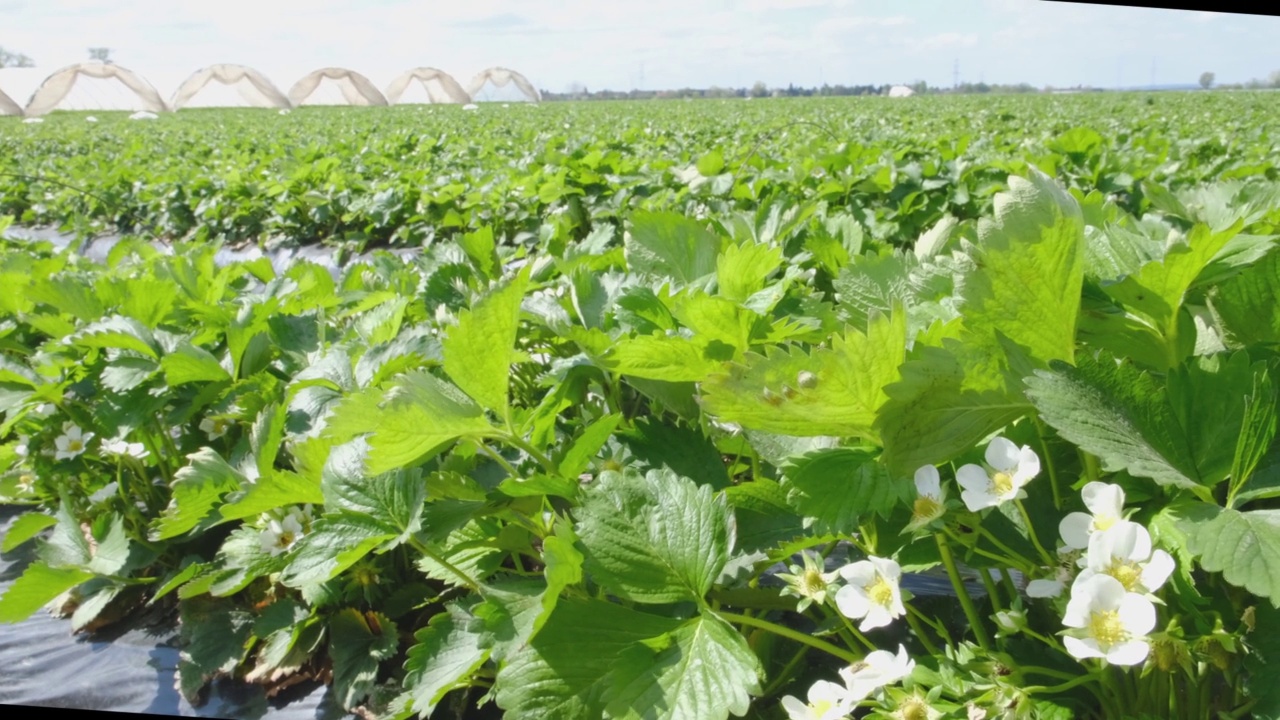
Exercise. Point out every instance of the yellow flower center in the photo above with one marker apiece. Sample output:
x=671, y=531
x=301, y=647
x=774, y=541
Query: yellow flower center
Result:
x=1106, y=628
x=811, y=582
x=821, y=706
x=286, y=539
x=1002, y=482
x=74, y=446
x=927, y=508
x=914, y=709
x=880, y=592
x=1102, y=524
x=1128, y=573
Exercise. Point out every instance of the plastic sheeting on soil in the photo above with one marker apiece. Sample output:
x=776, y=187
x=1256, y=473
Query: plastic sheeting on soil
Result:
x=130, y=668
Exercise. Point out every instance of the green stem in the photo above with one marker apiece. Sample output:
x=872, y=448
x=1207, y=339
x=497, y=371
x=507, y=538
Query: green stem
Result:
x=1091, y=468
x=1031, y=532
x=937, y=626
x=465, y=578
x=785, y=674
x=790, y=634
x=857, y=634
x=1053, y=690
x=1044, y=639
x=1048, y=672
x=1007, y=580
x=1010, y=557
x=979, y=631
x=991, y=590
x=1048, y=461
x=541, y=459
x=496, y=457
x=924, y=637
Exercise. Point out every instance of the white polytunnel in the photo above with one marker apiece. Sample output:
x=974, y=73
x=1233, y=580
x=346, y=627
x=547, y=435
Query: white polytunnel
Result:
x=228, y=85
x=500, y=78
x=335, y=86
x=439, y=87
x=94, y=86
x=8, y=106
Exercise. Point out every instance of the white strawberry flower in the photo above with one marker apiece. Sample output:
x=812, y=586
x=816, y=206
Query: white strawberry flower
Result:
x=214, y=428
x=930, y=498
x=877, y=669
x=827, y=701
x=1106, y=508
x=1110, y=622
x=44, y=410
x=1124, y=552
x=280, y=535
x=72, y=442
x=1009, y=469
x=22, y=449
x=872, y=593
x=118, y=446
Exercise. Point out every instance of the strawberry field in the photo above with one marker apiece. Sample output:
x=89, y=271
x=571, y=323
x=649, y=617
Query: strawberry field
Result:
x=811, y=409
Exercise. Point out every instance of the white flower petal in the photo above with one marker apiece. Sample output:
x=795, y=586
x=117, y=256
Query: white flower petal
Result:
x=1074, y=530
x=796, y=709
x=1104, y=500
x=1082, y=649
x=1028, y=466
x=976, y=500
x=1002, y=455
x=1157, y=570
x=887, y=568
x=1044, y=588
x=928, y=482
x=860, y=573
x=852, y=602
x=877, y=616
x=973, y=477
x=1128, y=653
x=1137, y=613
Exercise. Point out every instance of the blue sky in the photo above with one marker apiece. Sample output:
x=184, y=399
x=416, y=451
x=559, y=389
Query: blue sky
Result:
x=658, y=43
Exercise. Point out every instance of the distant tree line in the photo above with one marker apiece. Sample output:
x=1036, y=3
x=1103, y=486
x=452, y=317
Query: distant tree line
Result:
x=10, y=59
x=579, y=92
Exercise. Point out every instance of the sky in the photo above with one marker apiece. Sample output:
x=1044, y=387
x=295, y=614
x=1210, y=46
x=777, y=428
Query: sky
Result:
x=657, y=44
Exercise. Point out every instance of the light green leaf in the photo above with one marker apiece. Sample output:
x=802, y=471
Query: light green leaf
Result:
x=839, y=488
x=189, y=363
x=37, y=587
x=658, y=538
x=197, y=489
x=358, y=643
x=1243, y=546
x=481, y=248
x=393, y=500
x=828, y=392
x=276, y=489
x=741, y=270
x=334, y=544
x=563, y=673
x=593, y=437
x=703, y=670
x=480, y=349
x=661, y=357
x=419, y=417
x=24, y=528
x=671, y=246
x=940, y=408
x=448, y=651
x=1247, y=302
x=711, y=164
x=111, y=556
x=1030, y=271
x=118, y=332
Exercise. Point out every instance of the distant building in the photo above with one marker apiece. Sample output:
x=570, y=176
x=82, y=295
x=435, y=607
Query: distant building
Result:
x=901, y=91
